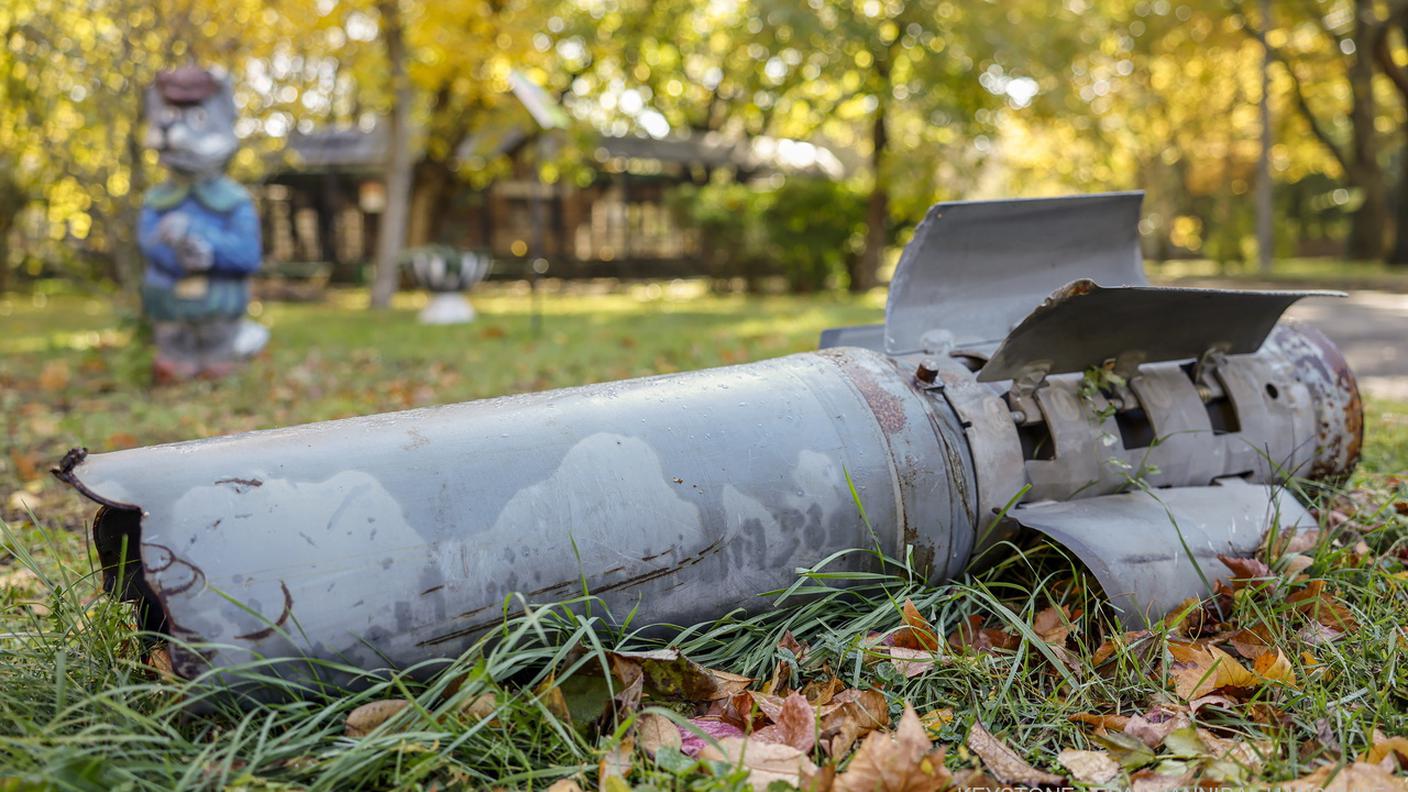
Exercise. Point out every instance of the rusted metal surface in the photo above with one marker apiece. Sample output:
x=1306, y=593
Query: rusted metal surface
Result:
x=1338, y=409
x=393, y=539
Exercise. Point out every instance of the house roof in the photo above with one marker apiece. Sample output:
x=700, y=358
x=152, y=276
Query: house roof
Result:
x=356, y=149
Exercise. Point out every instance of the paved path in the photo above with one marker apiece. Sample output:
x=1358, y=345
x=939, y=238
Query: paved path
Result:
x=1371, y=328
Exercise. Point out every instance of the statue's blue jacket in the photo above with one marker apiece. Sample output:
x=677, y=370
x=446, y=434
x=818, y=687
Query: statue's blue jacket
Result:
x=220, y=211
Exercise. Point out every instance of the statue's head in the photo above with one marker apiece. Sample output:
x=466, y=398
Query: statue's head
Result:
x=191, y=120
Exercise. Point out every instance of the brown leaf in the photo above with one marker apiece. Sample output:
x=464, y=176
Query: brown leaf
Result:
x=1138, y=640
x=160, y=661
x=1322, y=606
x=765, y=762
x=654, y=732
x=1275, y=667
x=795, y=725
x=615, y=766
x=1199, y=669
x=1251, y=642
x=912, y=662
x=565, y=785
x=552, y=698
x=666, y=674
x=1394, y=749
x=1004, y=762
x=917, y=632
x=26, y=465
x=1246, y=571
x=1357, y=777
x=54, y=376
x=852, y=714
x=1089, y=767
x=972, y=635
x=820, y=692
x=1110, y=722
x=1052, y=625
x=904, y=761
x=480, y=707
x=1153, y=732
x=364, y=719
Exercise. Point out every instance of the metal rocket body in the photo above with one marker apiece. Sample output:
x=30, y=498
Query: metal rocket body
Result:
x=1026, y=375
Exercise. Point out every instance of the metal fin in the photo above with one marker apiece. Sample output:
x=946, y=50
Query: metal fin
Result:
x=975, y=268
x=870, y=337
x=1152, y=550
x=1082, y=325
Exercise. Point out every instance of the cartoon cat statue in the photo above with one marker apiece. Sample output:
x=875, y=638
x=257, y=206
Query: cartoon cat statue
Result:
x=198, y=231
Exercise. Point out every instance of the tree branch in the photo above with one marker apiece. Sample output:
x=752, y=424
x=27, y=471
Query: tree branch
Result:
x=1383, y=53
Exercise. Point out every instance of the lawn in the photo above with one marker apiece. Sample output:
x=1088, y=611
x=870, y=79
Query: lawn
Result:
x=1017, y=672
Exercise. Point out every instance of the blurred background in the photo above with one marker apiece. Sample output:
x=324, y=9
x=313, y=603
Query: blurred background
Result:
x=759, y=144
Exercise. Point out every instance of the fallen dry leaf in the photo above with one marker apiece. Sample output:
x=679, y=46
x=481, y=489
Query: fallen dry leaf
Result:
x=1004, y=762
x=564, y=785
x=1394, y=749
x=971, y=634
x=666, y=674
x=54, y=376
x=917, y=632
x=1199, y=669
x=1155, y=728
x=912, y=662
x=1246, y=572
x=654, y=732
x=852, y=714
x=364, y=719
x=1275, y=667
x=614, y=766
x=1137, y=640
x=1052, y=625
x=795, y=725
x=934, y=720
x=1109, y=722
x=1322, y=606
x=1357, y=777
x=691, y=743
x=1251, y=642
x=1089, y=767
x=904, y=761
x=765, y=762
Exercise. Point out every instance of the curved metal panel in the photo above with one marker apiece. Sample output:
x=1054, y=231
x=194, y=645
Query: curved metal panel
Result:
x=975, y=268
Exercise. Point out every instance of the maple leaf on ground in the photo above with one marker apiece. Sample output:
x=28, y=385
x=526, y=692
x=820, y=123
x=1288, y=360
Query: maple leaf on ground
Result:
x=1391, y=752
x=666, y=674
x=1274, y=666
x=913, y=662
x=852, y=714
x=1199, y=669
x=1004, y=762
x=654, y=732
x=902, y=761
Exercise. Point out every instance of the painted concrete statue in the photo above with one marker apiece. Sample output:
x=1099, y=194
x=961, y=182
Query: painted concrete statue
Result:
x=198, y=231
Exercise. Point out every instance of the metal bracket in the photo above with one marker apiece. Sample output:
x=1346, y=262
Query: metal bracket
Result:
x=1205, y=372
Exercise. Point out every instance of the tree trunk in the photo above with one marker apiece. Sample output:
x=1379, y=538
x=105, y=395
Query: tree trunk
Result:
x=1366, y=235
x=865, y=273
x=428, y=194
x=398, y=162
x=1265, y=232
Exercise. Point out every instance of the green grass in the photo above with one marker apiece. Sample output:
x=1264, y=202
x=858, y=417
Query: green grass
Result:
x=79, y=710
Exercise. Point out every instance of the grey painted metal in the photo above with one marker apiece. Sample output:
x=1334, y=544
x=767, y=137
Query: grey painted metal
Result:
x=396, y=538
x=392, y=539
x=863, y=336
x=1083, y=324
x=1152, y=550
x=975, y=268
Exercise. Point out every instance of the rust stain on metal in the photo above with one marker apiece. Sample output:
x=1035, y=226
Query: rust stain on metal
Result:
x=240, y=485
x=1339, y=421
x=259, y=635
x=886, y=406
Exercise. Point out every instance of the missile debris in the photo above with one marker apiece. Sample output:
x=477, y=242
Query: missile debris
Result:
x=1026, y=375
